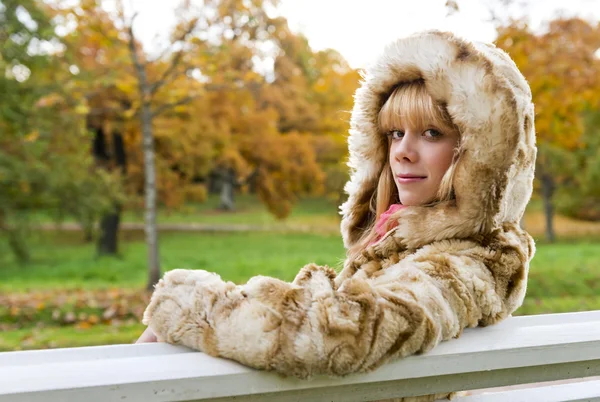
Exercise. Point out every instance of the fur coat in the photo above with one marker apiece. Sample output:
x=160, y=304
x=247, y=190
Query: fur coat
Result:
x=443, y=268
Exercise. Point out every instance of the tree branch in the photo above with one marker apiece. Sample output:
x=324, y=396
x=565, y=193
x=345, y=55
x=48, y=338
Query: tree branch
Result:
x=175, y=61
x=165, y=76
x=167, y=106
x=223, y=87
x=131, y=43
x=140, y=68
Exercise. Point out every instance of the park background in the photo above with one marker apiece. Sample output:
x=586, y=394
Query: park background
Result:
x=141, y=136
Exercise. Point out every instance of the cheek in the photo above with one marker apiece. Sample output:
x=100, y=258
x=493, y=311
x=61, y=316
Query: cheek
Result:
x=441, y=159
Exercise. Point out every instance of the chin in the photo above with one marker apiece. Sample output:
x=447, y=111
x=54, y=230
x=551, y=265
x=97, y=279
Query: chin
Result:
x=413, y=201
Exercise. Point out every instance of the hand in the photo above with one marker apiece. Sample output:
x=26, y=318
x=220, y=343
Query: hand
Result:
x=147, y=337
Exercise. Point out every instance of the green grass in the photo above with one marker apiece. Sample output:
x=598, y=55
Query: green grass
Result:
x=533, y=305
x=62, y=261
x=565, y=270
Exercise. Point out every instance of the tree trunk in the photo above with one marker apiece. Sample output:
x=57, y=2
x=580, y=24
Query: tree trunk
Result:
x=109, y=222
x=227, y=202
x=146, y=116
x=109, y=230
x=150, y=197
x=548, y=188
x=227, y=190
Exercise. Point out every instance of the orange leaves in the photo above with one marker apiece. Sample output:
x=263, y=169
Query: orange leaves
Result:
x=287, y=169
x=562, y=71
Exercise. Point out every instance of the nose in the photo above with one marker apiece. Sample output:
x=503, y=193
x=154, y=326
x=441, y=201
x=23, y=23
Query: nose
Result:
x=406, y=149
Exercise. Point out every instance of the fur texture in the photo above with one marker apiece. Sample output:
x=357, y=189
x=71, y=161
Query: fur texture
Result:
x=444, y=268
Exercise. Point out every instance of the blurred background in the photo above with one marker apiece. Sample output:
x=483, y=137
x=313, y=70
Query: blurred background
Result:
x=139, y=136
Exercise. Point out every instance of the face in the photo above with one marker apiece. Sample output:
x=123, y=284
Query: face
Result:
x=419, y=158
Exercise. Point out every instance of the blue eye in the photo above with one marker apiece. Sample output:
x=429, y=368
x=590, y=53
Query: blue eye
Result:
x=396, y=134
x=433, y=134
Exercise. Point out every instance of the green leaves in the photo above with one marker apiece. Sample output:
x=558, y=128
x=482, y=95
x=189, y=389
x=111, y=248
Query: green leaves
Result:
x=45, y=158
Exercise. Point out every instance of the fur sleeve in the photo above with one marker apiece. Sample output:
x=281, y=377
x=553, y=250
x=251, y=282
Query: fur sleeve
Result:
x=310, y=327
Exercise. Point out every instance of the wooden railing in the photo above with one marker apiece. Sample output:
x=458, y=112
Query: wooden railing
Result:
x=520, y=350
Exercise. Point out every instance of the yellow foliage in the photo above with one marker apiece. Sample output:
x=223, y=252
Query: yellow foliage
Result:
x=82, y=109
x=563, y=73
x=196, y=193
x=32, y=136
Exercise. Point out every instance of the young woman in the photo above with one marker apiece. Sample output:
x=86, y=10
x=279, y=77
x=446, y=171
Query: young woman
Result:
x=442, y=152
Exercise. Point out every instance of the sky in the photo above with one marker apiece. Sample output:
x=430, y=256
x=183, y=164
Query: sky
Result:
x=359, y=29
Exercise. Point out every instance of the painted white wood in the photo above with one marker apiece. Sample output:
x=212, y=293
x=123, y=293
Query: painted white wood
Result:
x=549, y=319
x=523, y=350
x=88, y=353
x=580, y=391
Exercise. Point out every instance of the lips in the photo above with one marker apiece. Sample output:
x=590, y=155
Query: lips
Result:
x=409, y=178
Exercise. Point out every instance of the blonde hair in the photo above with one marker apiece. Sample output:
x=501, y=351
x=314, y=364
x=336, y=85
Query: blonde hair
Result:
x=409, y=105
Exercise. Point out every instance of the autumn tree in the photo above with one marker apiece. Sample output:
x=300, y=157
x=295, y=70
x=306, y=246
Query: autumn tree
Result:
x=333, y=89
x=107, y=125
x=221, y=67
x=312, y=92
x=148, y=111
x=41, y=163
x=99, y=78
x=111, y=60
x=256, y=148
x=563, y=71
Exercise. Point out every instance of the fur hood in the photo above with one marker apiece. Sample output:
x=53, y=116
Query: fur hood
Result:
x=490, y=102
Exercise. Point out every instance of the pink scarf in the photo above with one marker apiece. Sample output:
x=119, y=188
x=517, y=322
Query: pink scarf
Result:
x=381, y=227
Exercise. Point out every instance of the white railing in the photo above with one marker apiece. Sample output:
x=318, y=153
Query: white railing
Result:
x=517, y=351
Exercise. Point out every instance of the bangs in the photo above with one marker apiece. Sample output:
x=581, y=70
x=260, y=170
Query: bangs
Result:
x=410, y=105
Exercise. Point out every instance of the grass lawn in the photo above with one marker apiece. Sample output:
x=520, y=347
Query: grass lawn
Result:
x=564, y=277
x=62, y=260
